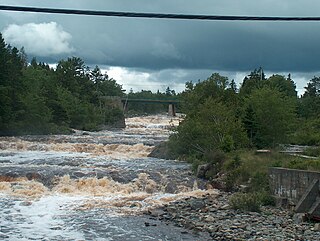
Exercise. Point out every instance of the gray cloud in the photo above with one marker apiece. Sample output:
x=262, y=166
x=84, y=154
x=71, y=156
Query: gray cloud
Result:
x=164, y=48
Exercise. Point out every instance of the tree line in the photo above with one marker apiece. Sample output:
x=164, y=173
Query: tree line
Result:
x=150, y=108
x=37, y=99
x=262, y=113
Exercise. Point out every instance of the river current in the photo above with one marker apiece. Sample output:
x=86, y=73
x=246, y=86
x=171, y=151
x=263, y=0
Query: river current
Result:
x=92, y=185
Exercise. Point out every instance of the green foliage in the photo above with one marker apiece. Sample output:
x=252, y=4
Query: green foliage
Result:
x=313, y=88
x=310, y=165
x=36, y=99
x=284, y=85
x=257, y=191
x=259, y=182
x=255, y=80
x=213, y=126
x=236, y=177
x=150, y=108
x=251, y=201
x=246, y=202
x=309, y=105
x=216, y=87
x=272, y=117
x=312, y=151
x=307, y=132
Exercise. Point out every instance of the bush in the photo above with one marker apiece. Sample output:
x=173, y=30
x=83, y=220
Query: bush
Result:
x=246, y=202
x=266, y=199
x=311, y=165
x=213, y=160
x=312, y=151
x=235, y=178
x=259, y=182
x=307, y=132
x=233, y=163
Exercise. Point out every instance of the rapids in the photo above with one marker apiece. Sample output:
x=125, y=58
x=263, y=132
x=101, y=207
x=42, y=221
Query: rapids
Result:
x=92, y=185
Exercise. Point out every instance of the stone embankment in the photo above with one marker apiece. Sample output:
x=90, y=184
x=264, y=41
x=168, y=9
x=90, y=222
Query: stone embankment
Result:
x=212, y=214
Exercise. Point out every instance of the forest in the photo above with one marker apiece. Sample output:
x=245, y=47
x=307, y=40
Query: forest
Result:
x=262, y=112
x=38, y=99
x=226, y=125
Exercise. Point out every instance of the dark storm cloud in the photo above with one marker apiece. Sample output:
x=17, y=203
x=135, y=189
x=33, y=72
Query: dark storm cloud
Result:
x=168, y=44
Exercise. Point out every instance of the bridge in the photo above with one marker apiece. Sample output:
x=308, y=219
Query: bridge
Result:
x=171, y=103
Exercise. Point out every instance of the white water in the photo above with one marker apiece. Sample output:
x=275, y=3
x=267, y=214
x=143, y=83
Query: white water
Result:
x=88, y=185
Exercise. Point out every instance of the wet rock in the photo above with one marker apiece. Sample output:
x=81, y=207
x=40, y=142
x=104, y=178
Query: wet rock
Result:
x=162, y=151
x=197, y=204
x=33, y=176
x=171, y=187
x=147, y=224
x=202, y=170
x=78, y=174
x=12, y=174
x=209, y=219
x=25, y=203
x=307, y=232
x=218, y=183
x=156, y=212
x=299, y=218
x=56, y=228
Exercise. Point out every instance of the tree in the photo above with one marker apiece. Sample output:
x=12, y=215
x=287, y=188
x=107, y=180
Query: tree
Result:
x=255, y=80
x=74, y=75
x=11, y=87
x=309, y=105
x=284, y=85
x=36, y=99
x=213, y=87
x=212, y=122
x=313, y=88
x=273, y=115
x=213, y=126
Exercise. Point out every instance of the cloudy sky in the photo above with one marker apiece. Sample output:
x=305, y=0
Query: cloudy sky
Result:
x=155, y=53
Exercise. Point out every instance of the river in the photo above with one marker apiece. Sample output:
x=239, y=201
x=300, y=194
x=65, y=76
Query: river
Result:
x=92, y=185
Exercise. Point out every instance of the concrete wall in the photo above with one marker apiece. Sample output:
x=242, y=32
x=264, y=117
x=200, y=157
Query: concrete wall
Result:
x=289, y=183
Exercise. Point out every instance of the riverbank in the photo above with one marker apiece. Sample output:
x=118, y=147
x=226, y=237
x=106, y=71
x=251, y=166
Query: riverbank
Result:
x=211, y=214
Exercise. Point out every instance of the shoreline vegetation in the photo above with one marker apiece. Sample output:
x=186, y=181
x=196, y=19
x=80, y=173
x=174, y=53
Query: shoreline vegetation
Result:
x=37, y=99
x=223, y=127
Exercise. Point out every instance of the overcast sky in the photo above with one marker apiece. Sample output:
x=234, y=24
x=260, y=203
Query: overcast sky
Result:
x=154, y=53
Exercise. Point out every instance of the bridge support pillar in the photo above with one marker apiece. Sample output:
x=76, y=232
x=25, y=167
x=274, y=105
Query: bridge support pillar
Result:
x=172, y=110
x=125, y=107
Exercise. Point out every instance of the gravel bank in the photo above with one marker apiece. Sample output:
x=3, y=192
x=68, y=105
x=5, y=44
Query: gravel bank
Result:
x=212, y=215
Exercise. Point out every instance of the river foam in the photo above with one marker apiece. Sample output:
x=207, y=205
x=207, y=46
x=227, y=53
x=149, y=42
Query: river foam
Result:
x=54, y=187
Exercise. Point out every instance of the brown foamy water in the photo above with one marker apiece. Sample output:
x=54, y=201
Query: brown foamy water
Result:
x=91, y=185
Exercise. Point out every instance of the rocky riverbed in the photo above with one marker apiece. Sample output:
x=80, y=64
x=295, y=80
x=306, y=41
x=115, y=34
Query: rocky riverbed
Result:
x=211, y=214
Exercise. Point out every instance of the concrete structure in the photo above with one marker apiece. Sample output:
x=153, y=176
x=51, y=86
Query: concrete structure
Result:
x=171, y=109
x=301, y=188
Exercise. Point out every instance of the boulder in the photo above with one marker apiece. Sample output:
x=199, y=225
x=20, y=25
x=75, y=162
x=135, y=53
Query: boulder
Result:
x=202, y=170
x=162, y=151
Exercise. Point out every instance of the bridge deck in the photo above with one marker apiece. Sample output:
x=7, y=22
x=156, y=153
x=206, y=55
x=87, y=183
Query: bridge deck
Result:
x=151, y=101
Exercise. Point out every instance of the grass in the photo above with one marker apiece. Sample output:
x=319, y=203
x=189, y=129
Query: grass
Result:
x=259, y=163
x=248, y=168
